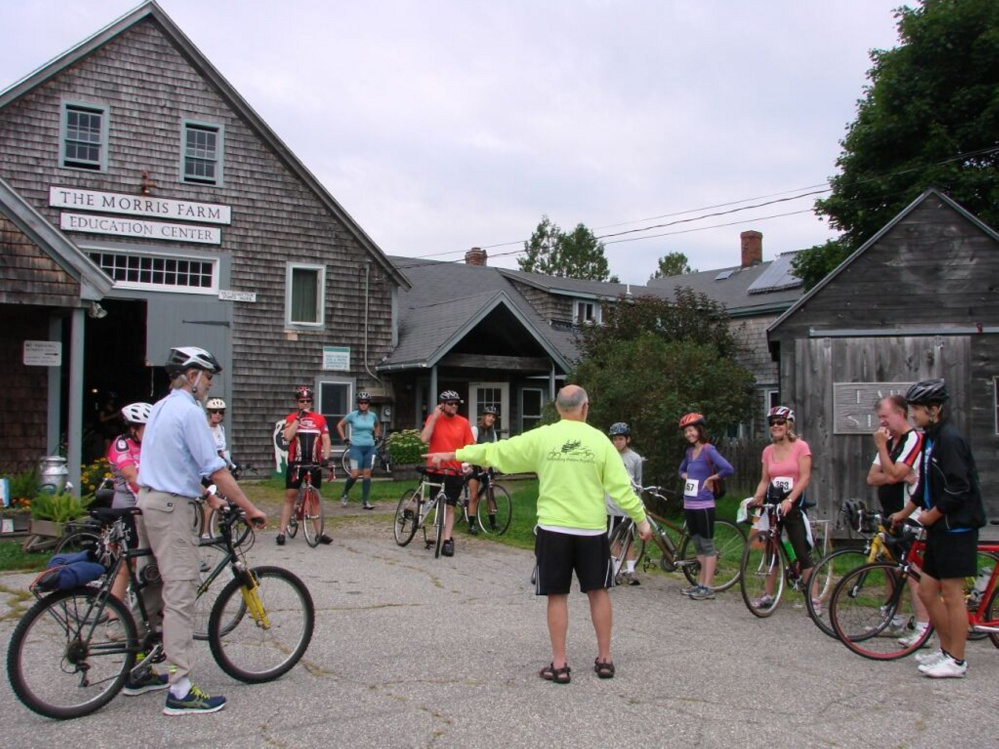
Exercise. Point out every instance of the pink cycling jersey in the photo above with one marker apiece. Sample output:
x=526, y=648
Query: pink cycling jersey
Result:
x=124, y=452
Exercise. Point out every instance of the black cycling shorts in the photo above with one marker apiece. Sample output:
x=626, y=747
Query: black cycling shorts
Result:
x=294, y=475
x=559, y=554
x=951, y=555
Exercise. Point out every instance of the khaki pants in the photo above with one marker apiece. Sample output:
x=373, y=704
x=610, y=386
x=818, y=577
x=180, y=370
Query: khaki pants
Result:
x=166, y=526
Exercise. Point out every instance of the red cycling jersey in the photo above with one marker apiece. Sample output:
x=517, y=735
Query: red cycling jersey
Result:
x=307, y=445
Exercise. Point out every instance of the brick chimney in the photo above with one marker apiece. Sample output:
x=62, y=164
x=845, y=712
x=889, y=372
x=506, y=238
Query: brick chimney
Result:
x=752, y=248
x=475, y=256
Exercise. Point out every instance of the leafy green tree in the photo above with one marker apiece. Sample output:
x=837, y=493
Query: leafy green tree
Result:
x=553, y=252
x=654, y=360
x=672, y=264
x=929, y=118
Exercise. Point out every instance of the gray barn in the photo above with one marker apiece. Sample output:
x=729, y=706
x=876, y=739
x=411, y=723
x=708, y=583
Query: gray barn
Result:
x=920, y=299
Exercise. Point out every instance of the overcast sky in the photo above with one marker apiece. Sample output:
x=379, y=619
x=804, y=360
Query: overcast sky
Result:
x=442, y=125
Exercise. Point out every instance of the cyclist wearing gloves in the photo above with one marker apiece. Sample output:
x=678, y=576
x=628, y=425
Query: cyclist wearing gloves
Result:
x=446, y=430
x=950, y=498
x=308, y=439
x=701, y=470
x=364, y=430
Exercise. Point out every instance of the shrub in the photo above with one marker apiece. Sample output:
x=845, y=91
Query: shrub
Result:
x=58, y=508
x=92, y=475
x=406, y=447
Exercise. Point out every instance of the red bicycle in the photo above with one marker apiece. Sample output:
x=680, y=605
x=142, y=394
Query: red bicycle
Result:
x=309, y=512
x=865, y=602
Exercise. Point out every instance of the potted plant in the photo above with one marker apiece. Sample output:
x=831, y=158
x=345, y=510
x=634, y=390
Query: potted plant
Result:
x=50, y=511
x=406, y=449
x=18, y=489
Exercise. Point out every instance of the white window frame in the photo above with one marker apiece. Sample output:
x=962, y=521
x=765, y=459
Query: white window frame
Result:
x=536, y=419
x=995, y=401
x=101, y=164
x=350, y=384
x=587, y=312
x=504, y=410
x=147, y=263
x=320, y=270
x=219, y=131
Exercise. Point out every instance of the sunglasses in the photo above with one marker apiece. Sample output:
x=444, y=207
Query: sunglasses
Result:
x=305, y=400
x=450, y=403
x=215, y=411
x=778, y=422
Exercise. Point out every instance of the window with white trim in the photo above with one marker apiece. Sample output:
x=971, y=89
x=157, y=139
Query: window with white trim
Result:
x=201, y=151
x=335, y=397
x=305, y=295
x=159, y=273
x=995, y=391
x=586, y=313
x=532, y=405
x=83, y=136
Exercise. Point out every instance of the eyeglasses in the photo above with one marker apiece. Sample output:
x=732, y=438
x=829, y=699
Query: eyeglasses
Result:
x=450, y=403
x=305, y=400
x=778, y=422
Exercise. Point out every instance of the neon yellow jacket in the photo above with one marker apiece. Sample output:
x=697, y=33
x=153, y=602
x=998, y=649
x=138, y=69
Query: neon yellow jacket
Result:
x=576, y=464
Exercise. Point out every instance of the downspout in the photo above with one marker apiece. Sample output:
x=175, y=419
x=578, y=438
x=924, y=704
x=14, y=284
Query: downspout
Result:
x=367, y=304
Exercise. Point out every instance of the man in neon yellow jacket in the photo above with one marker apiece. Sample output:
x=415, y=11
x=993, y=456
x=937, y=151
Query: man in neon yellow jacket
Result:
x=576, y=465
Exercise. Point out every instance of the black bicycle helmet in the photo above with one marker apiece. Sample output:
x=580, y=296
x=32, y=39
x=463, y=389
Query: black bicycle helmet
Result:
x=928, y=393
x=449, y=395
x=363, y=396
x=184, y=358
x=619, y=429
x=490, y=410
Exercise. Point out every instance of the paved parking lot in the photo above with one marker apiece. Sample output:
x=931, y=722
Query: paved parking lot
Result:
x=410, y=651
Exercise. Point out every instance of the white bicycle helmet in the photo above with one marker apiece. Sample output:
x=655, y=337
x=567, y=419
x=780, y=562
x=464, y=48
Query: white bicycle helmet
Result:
x=215, y=404
x=136, y=413
x=184, y=358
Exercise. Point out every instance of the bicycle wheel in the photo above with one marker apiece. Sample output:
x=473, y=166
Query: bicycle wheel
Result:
x=241, y=530
x=407, y=517
x=62, y=663
x=495, y=510
x=730, y=544
x=825, y=575
x=296, y=514
x=440, y=509
x=345, y=462
x=269, y=628
x=762, y=575
x=871, y=612
x=625, y=541
x=209, y=556
x=986, y=561
x=79, y=541
x=312, y=516
x=992, y=615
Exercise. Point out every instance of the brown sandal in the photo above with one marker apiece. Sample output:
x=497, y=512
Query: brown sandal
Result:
x=604, y=670
x=556, y=675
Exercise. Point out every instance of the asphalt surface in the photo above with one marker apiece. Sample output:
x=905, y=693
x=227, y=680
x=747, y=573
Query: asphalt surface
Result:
x=410, y=651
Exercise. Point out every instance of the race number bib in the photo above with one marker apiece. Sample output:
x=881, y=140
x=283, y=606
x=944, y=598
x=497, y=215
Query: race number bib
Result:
x=782, y=483
x=691, y=488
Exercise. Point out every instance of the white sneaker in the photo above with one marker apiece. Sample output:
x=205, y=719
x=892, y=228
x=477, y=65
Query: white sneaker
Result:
x=913, y=637
x=928, y=659
x=763, y=602
x=343, y=501
x=945, y=668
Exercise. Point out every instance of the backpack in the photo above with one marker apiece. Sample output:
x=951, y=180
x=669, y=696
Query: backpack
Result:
x=719, y=488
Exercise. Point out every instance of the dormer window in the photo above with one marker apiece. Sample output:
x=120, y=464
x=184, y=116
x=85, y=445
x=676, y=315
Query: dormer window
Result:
x=586, y=313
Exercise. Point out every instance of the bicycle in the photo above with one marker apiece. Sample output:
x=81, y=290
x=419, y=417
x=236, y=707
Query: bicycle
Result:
x=866, y=601
x=416, y=505
x=73, y=650
x=831, y=568
x=381, y=453
x=309, y=511
x=495, y=519
x=729, y=541
x=767, y=566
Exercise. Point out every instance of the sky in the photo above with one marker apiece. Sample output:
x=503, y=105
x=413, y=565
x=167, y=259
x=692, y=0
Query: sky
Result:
x=440, y=125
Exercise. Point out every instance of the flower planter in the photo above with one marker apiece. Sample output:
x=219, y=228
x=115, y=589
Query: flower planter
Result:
x=14, y=522
x=406, y=472
x=48, y=528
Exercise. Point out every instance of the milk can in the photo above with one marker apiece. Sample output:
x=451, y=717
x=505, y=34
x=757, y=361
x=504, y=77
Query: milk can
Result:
x=52, y=474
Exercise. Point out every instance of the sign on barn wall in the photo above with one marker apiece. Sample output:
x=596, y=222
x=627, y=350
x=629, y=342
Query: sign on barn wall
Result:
x=854, y=404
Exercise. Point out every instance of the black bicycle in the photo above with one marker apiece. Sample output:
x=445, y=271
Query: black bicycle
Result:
x=74, y=650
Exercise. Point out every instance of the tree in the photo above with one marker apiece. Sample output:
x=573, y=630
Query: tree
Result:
x=654, y=360
x=672, y=264
x=929, y=118
x=578, y=254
